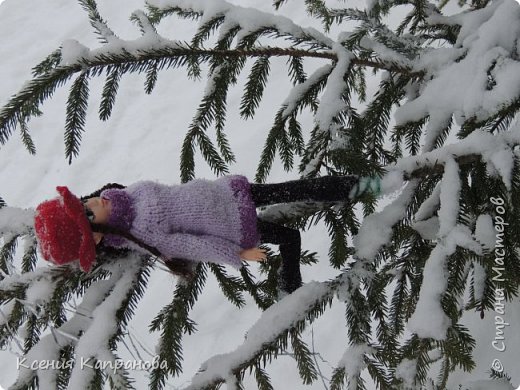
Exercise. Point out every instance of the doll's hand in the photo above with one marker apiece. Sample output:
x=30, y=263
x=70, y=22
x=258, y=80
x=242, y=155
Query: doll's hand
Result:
x=253, y=254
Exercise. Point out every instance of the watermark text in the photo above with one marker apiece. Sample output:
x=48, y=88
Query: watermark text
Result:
x=105, y=365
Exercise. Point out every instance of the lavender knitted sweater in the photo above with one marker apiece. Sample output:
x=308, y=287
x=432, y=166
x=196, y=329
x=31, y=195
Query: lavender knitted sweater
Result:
x=199, y=221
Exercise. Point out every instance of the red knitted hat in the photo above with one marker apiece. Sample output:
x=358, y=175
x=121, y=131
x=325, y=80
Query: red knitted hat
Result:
x=64, y=232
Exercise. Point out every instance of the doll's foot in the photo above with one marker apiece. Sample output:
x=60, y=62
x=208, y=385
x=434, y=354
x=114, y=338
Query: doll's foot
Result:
x=289, y=282
x=371, y=184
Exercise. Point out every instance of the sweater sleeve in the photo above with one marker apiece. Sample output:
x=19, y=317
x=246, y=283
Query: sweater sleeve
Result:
x=198, y=248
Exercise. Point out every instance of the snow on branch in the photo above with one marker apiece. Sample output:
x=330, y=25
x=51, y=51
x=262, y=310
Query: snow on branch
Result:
x=352, y=362
x=144, y=23
x=491, y=149
x=88, y=331
x=99, y=24
x=376, y=230
x=292, y=102
x=270, y=327
x=385, y=53
x=429, y=319
x=15, y=281
x=478, y=75
x=15, y=221
x=94, y=342
x=449, y=198
x=495, y=150
x=250, y=20
x=333, y=102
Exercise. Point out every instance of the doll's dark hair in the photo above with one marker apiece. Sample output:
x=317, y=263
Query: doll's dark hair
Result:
x=178, y=267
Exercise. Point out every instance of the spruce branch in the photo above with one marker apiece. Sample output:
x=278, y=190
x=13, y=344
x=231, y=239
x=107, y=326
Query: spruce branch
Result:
x=26, y=138
x=97, y=22
x=205, y=30
x=23, y=104
x=151, y=78
x=257, y=347
x=208, y=151
x=76, y=114
x=49, y=63
x=337, y=380
x=278, y=3
x=303, y=95
x=109, y=93
x=188, y=156
x=296, y=71
x=230, y=286
x=394, y=260
x=303, y=357
x=338, y=250
x=319, y=10
x=377, y=116
x=255, y=87
x=7, y=253
x=32, y=95
x=156, y=14
x=173, y=320
x=80, y=330
x=262, y=379
x=144, y=22
x=295, y=135
x=30, y=254
x=269, y=150
x=257, y=290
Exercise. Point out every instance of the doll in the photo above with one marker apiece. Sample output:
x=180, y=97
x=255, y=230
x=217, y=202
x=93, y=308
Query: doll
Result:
x=201, y=220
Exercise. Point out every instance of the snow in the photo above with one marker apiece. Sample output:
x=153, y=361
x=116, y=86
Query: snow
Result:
x=462, y=84
x=430, y=205
x=391, y=182
x=385, y=53
x=14, y=220
x=376, y=230
x=72, y=52
x=429, y=319
x=406, y=371
x=94, y=342
x=40, y=291
x=353, y=359
x=501, y=162
x=428, y=229
x=485, y=231
x=300, y=89
x=449, y=198
x=332, y=101
x=248, y=18
x=273, y=322
x=478, y=142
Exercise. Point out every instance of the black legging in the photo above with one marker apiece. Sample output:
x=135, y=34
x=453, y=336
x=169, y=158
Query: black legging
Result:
x=322, y=189
x=289, y=241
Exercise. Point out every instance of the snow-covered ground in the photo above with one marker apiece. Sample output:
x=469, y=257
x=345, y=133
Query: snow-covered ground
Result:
x=142, y=140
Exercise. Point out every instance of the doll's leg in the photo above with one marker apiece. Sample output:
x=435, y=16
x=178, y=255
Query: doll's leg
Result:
x=289, y=242
x=320, y=189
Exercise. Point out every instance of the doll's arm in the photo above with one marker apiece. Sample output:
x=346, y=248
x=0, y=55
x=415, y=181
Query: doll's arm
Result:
x=198, y=248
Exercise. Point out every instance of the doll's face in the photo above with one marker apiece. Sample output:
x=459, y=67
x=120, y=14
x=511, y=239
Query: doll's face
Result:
x=97, y=210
